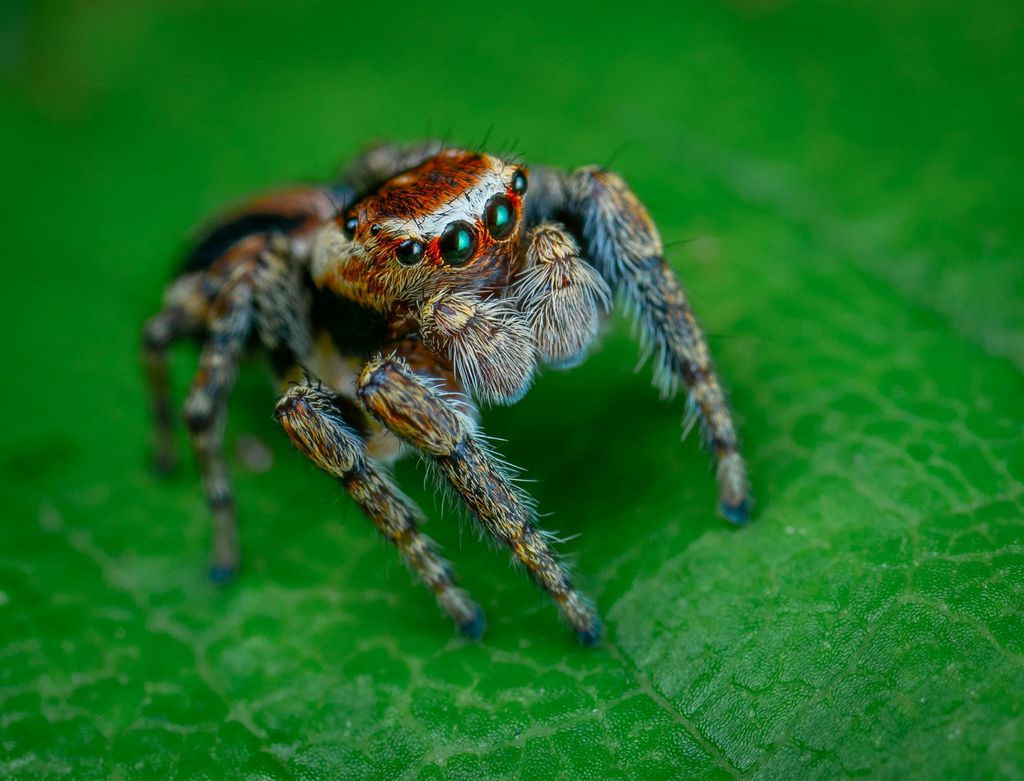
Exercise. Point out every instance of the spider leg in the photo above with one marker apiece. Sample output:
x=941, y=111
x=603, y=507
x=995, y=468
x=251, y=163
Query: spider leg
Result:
x=206, y=415
x=380, y=162
x=561, y=294
x=488, y=342
x=621, y=240
x=312, y=420
x=418, y=413
x=186, y=305
x=252, y=291
x=159, y=333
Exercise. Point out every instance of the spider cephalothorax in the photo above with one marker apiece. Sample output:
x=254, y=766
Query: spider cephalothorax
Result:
x=452, y=222
x=441, y=278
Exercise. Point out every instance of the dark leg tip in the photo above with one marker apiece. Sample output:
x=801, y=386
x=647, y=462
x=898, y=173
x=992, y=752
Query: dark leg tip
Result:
x=591, y=638
x=474, y=628
x=738, y=514
x=221, y=574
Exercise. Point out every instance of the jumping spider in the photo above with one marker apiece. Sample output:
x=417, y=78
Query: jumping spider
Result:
x=428, y=278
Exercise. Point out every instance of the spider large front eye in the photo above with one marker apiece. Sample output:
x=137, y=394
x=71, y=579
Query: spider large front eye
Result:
x=457, y=243
x=500, y=216
x=409, y=252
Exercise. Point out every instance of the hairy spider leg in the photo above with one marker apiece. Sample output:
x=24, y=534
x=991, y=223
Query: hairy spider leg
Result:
x=228, y=329
x=313, y=421
x=160, y=332
x=409, y=406
x=380, y=162
x=621, y=240
x=562, y=296
x=490, y=346
x=249, y=289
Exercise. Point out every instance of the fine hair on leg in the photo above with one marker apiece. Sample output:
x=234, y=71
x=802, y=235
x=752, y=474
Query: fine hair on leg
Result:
x=409, y=406
x=620, y=239
x=312, y=420
x=562, y=296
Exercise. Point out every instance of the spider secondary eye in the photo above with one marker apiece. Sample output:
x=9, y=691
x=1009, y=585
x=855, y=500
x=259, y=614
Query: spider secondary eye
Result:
x=500, y=217
x=409, y=252
x=351, y=223
x=457, y=243
x=519, y=182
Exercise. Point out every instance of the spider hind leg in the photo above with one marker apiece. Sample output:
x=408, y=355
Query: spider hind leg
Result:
x=205, y=412
x=249, y=292
x=160, y=332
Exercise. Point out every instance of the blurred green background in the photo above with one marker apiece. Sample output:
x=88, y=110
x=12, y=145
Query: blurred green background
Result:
x=841, y=186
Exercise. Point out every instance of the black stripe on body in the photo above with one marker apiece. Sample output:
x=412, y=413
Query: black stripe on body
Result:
x=354, y=329
x=218, y=240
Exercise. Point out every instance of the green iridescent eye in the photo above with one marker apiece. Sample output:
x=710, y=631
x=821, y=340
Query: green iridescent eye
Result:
x=457, y=243
x=500, y=216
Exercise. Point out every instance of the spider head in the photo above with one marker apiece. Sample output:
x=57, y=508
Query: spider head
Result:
x=451, y=223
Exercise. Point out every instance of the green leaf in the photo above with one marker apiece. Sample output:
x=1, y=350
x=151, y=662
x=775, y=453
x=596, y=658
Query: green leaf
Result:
x=841, y=186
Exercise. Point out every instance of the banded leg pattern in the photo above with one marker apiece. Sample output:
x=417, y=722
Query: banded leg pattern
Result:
x=311, y=419
x=410, y=407
x=622, y=241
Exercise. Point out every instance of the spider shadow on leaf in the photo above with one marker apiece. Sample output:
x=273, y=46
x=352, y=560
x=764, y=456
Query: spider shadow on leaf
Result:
x=607, y=470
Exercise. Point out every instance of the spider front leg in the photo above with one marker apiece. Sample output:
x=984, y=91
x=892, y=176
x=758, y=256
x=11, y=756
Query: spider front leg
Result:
x=488, y=342
x=313, y=422
x=410, y=407
x=562, y=296
x=621, y=240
